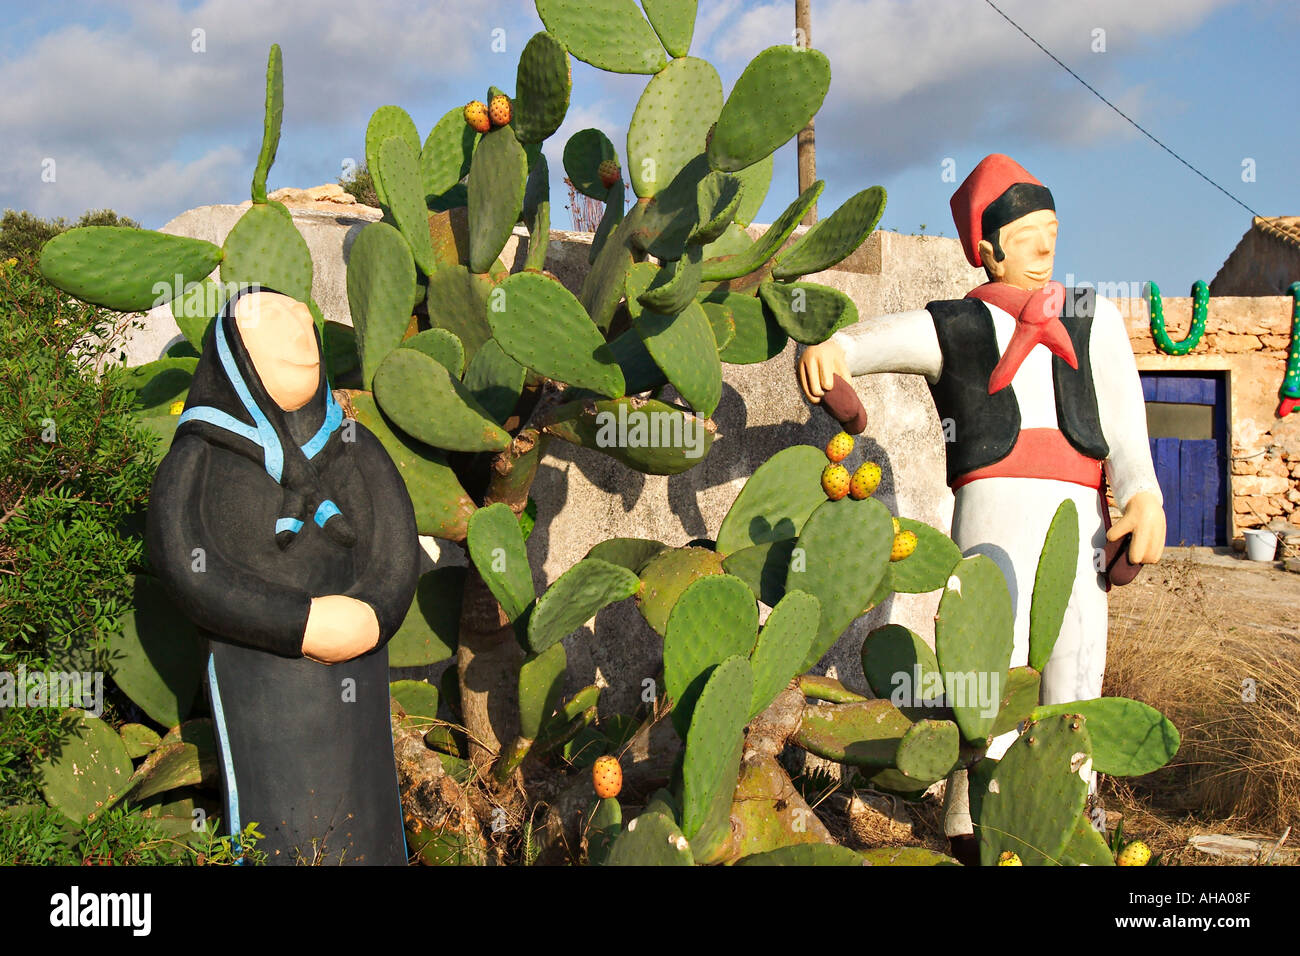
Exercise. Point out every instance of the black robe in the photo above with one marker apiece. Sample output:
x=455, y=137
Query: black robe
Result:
x=244, y=534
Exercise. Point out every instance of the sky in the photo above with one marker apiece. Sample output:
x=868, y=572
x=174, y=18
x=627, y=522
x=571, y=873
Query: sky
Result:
x=152, y=107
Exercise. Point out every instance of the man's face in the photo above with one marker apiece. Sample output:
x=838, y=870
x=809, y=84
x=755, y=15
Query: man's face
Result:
x=1029, y=250
x=279, y=334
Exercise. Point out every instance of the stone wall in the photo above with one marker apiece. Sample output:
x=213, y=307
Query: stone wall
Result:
x=1246, y=337
x=584, y=497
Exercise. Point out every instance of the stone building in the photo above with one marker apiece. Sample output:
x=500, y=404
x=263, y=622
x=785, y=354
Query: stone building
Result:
x=1266, y=260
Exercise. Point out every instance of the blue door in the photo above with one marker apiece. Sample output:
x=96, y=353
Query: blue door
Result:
x=1187, y=423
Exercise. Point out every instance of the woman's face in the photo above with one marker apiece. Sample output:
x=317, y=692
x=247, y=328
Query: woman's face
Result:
x=279, y=334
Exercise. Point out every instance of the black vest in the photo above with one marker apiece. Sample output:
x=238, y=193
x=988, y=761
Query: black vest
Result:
x=985, y=427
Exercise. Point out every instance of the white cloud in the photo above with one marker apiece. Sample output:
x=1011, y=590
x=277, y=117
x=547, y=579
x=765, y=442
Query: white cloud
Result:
x=128, y=104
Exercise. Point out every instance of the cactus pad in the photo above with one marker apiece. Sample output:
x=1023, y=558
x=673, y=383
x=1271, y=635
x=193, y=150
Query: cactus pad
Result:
x=664, y=578
x=539, y=323
x=840, y=558
x=90, y=771
x=714, y=619
x=496, y=546
x=645, y=434
x=864, y=733
x=900, y=666
x=640, y=373
x=431, y=630
x=778, y=93
x=630, y=553
x=664, y=134
x=757, y=337
x=733, y=267
x=422, y=398
x=928, y=750
x=973, y=642
x=497, y=177
x=674, y=21
x=270, y=122
x=185, y=757
x=782, y=645
x=542, y=88
x=763, y=567
x=265, y=248
x=576, y=595
x=405, y=186
x=541, y=684
x=684, y=347
x=381, y=286
x=1019, y=698
x=442, y=507
x=775, y=500
x=1037, y=793
x=385, y=122
x=808, y=311
x=495, y=380
x=445, y=158
x=457, y=300
x=124, y=269
x=583, y=154
x=713, y=750
x=652, y=839
x=928, y=567
x=157, y=658
x=602, y=289
x=1129, y=738
x=441, y=346
x=834, y=238
x=805, y=854
x=722, y=323
x=755, y=180
x=610, y=35
x=1053, y=583
x=672, y=287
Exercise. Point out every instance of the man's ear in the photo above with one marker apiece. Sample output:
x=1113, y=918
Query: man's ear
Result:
x=992, y=267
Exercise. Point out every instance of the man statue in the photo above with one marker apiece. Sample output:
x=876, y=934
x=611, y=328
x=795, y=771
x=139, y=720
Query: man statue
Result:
x=1040, y=397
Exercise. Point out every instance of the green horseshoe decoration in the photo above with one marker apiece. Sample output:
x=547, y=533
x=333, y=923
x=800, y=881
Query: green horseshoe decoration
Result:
x=1289, y=393
x=1200, y=302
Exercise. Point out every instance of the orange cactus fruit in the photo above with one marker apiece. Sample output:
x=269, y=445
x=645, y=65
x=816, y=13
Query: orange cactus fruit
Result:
x=607, y=777
x=835, y=482
x=904, y=545
x=476, y=115
x=499, y=110
x=865, y=480
x=838, y=448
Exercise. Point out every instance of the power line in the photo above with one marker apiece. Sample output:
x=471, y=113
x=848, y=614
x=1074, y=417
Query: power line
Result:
x=1091, y=89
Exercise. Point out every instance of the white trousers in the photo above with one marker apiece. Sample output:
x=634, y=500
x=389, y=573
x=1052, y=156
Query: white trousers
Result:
x=1007, y=520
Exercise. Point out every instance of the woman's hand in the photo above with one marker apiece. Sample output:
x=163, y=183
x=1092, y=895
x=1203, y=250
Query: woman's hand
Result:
x=339, y=628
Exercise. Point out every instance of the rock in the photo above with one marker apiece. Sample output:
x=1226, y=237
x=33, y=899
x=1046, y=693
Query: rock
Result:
x=1293, y=565
x=1247, y=847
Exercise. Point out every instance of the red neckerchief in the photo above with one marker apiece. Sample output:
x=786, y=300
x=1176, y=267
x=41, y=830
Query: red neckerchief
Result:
x=1038, y=321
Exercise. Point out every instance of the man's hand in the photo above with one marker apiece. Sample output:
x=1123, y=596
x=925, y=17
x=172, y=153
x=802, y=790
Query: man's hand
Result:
x=818, y=367
x=1146, y=519
x=339, y=628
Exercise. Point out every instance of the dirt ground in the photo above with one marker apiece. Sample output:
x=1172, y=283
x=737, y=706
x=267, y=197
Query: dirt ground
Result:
x=1244, y=598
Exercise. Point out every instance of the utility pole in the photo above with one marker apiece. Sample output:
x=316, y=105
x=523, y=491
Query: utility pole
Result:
x=807, y=140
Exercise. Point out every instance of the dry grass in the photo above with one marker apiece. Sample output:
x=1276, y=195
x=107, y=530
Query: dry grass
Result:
x=1236, y=703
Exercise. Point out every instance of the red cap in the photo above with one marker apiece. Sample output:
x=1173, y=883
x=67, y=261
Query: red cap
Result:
x=994, y=175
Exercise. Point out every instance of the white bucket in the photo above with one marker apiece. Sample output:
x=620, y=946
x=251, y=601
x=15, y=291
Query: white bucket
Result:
x=1260, y=545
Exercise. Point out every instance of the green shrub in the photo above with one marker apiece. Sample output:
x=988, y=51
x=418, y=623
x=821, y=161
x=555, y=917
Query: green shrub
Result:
x=21, y=233
x=74, y=479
